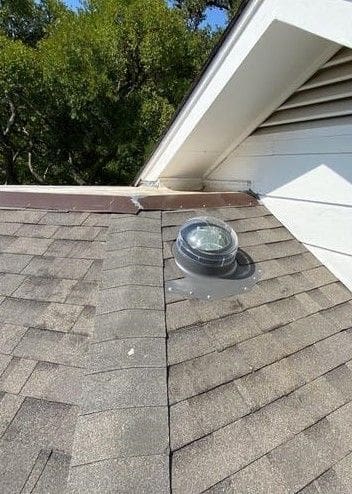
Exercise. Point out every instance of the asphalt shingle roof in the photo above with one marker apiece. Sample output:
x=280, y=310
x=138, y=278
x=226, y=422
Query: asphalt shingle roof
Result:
x=110, y=384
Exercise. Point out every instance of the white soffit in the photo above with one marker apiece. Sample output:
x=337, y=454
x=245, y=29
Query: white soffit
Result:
x=274, y=48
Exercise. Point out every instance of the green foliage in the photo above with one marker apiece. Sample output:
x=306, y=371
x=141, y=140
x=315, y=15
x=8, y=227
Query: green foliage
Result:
x=85, y=95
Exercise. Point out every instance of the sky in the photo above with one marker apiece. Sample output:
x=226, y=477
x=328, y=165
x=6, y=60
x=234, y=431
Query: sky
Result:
x=215, y=17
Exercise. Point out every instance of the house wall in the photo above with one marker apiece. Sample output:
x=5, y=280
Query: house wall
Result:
x=303, y=173
x=300, y=162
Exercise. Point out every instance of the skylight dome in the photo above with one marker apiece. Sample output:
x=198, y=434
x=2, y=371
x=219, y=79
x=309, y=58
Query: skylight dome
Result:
x=207, y=246
x=206, y=250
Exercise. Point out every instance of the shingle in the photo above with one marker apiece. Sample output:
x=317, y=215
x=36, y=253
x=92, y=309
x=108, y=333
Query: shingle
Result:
x=9, y=228
x=304, y=332
x=83, y=293
x=77, y=232
x=51, y=346
x=85, y=322
x=133, y=275
x=21, y=312
x=171, y=271
x=54, y=476
x=331, y=483
x=190, y=312
x=16, y=374
x=10, y=335
x=204, y=373
x=149, y=474
x=135, y=256
x=343, y=472
x=135, y=223
x=36, y=470
x=130, y=324
x=277, y=313
x=243, y=212
x=65, y=219
x=125, y=353
x=30, y=245
x=57, y=267
x=94, y=272
x=309, y=363
x=41, y=231
x=5, y=242
x=155, y=215
x=265, y=317
x=9, y=282
x=43, y=424
x=257, y=478
x=331, y=444
x=35, y=313
x=318, y=398
x=13, y=263
x=202, y=414
x=269, y=383
x=121, y=433
x=319, y=276
x=125, y=388
x=341, y=380
x=58, y=317
x=341, y=420
x=9, y=406
x=170, y=218
x=97, y=219
x=4, y=362
x=131, y=297
x=307, y=455
x=46, y=289
x=200, y=465
x=340, y=315
x=263, y=236
x=124, y=240
x=261, y=350
x=259, y=223
x=337, y=349
x=336, y=292
x=195, y=341
x=279, y=421
x=19, y=216
x=54, y=382
x=77, y=249
x=274, y=250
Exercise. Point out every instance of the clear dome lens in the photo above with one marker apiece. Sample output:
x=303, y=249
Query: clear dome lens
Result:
x=208, y=238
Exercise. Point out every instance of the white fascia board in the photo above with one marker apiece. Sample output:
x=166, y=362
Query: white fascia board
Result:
x=210, y=85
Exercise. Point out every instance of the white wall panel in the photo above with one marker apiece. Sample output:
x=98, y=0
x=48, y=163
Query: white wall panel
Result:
x=304, y=177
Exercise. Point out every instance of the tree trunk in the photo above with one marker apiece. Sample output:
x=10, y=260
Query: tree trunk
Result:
x=10, y=161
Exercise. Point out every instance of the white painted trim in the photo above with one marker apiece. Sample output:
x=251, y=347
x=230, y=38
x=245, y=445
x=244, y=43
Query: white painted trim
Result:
x=203, y=84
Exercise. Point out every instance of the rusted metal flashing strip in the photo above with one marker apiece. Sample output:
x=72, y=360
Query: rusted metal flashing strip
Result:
x=122, y=204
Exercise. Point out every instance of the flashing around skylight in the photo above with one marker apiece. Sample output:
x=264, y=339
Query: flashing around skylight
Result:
x=207, y=252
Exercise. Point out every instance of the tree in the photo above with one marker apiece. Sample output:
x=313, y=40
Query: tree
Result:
x=195, y=11
x=86, y=102
x=28, y=20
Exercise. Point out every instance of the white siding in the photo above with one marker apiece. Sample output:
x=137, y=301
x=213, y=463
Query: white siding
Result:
x=300, y=162
x=328, y=93
x=304, y=176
